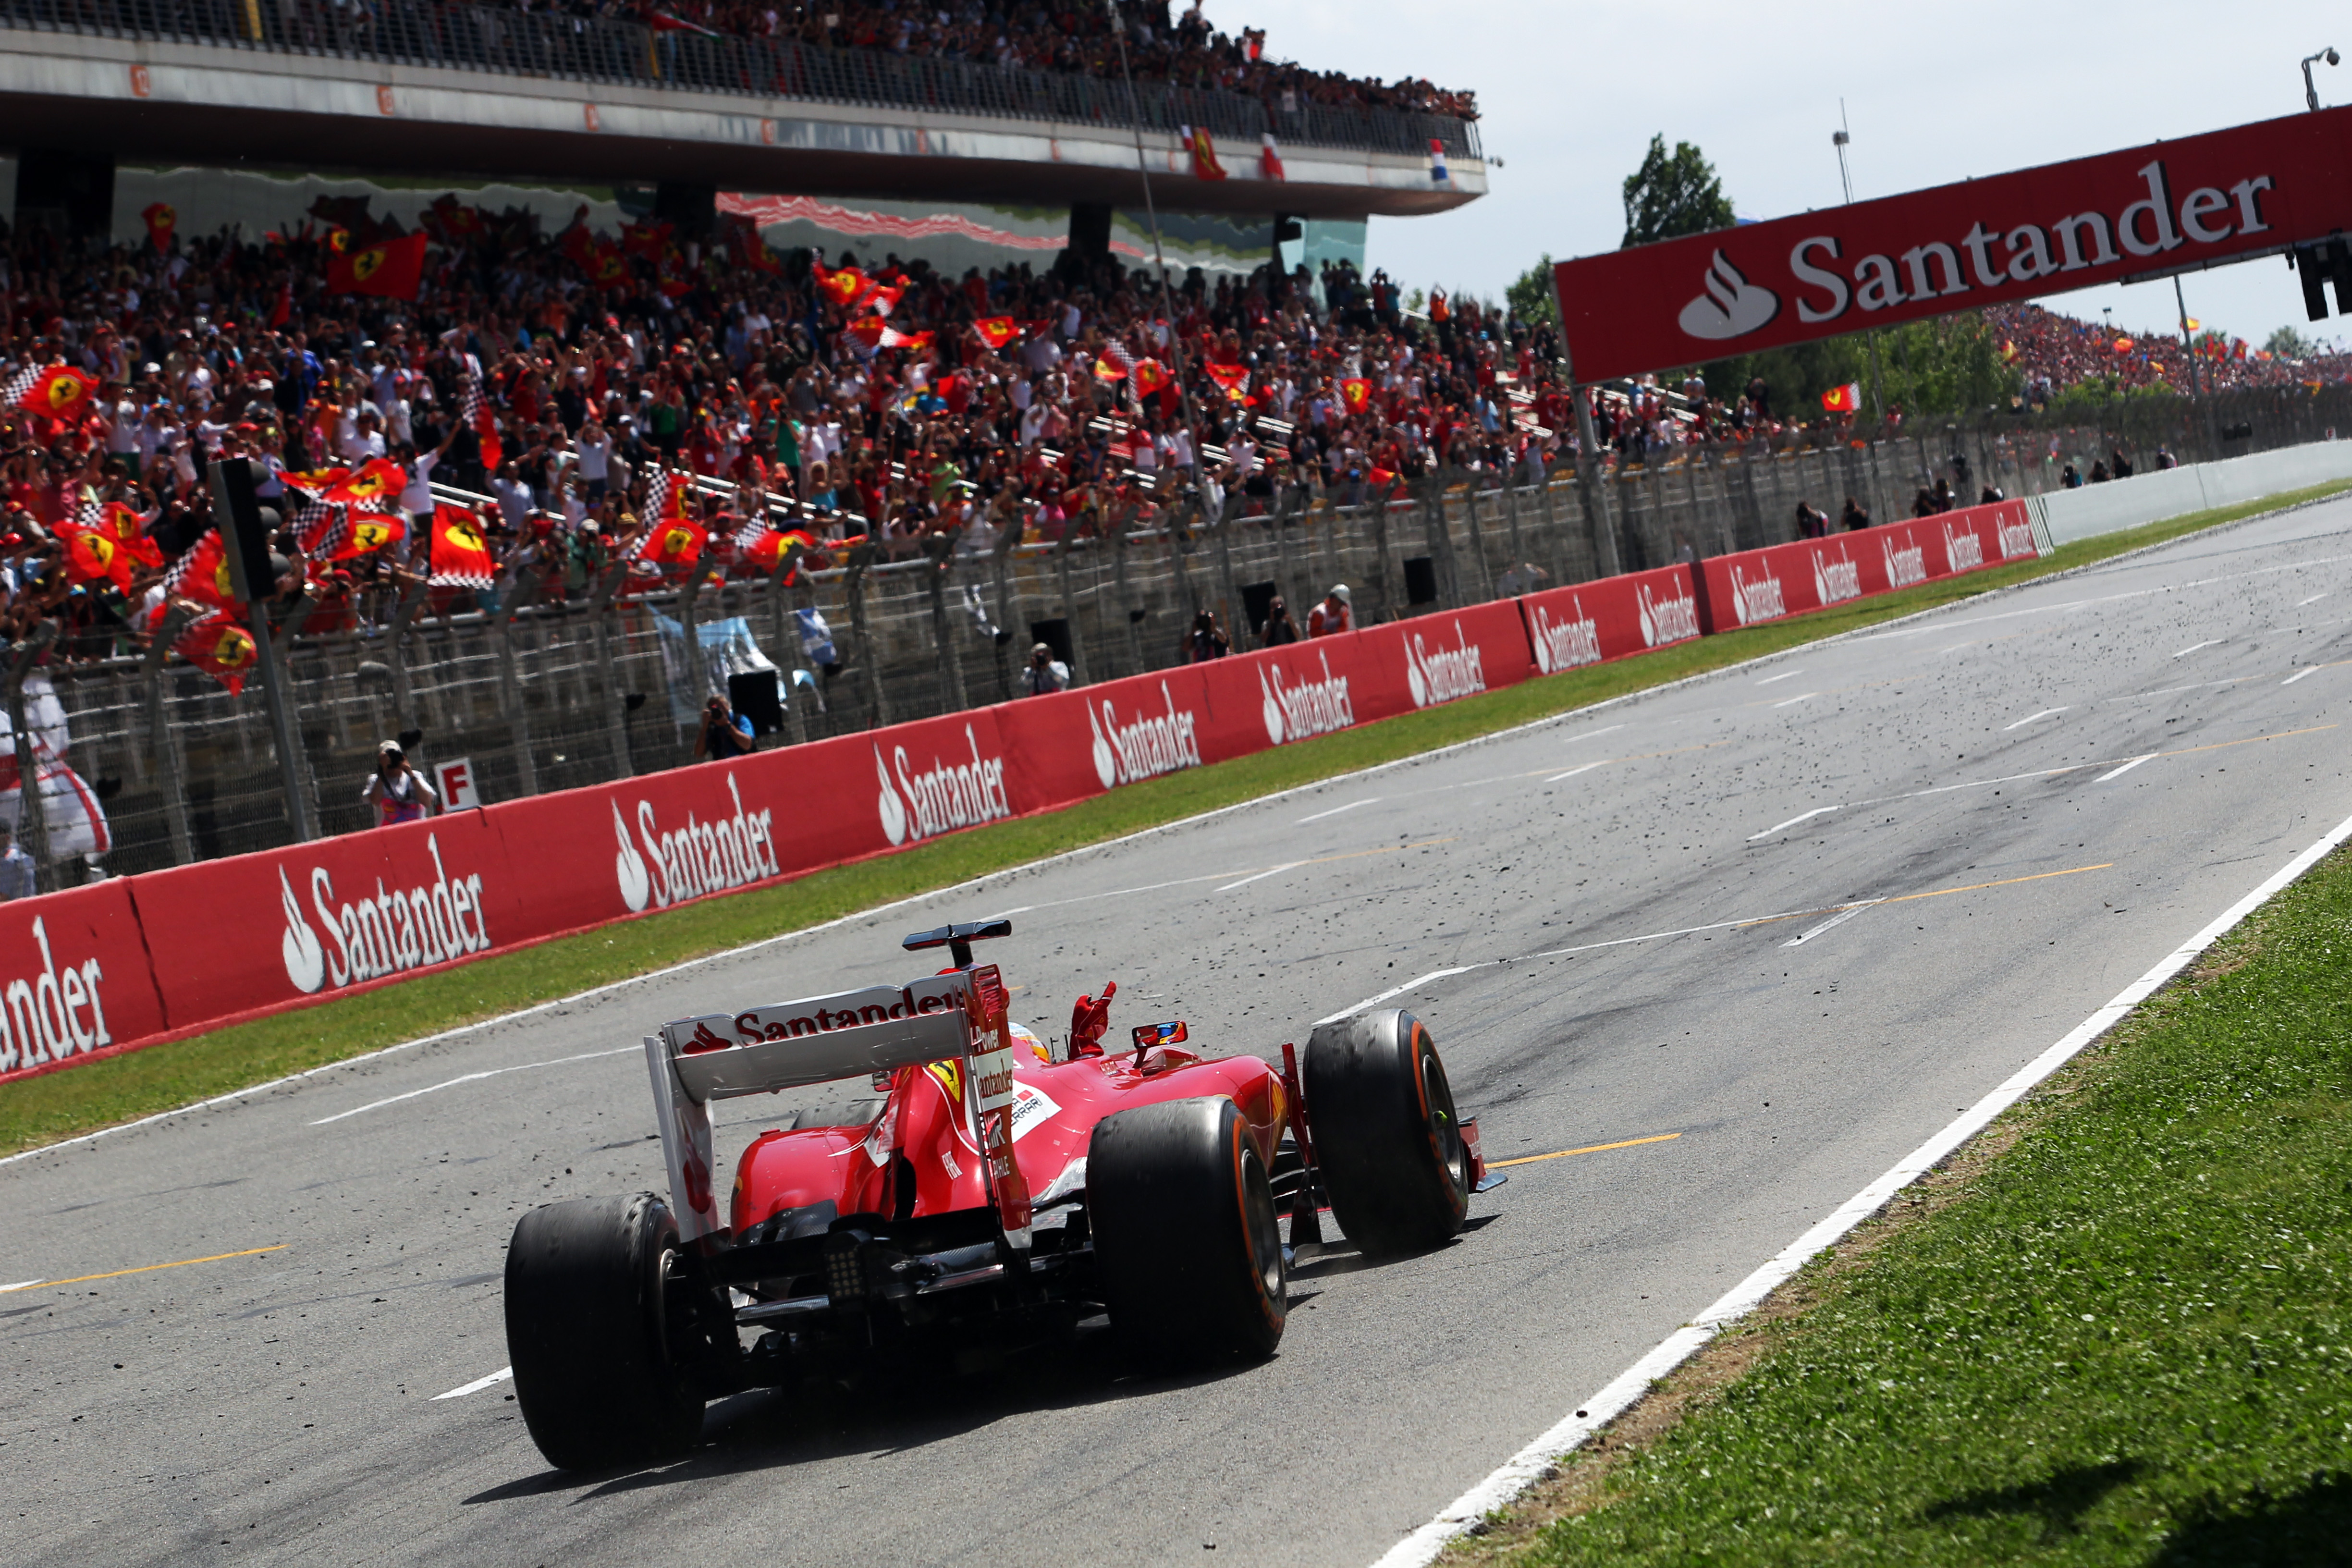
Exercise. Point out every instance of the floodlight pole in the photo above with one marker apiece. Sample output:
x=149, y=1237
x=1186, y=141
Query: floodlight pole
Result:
x=1151, y=214
x=1839, y=139
x=2310, y=90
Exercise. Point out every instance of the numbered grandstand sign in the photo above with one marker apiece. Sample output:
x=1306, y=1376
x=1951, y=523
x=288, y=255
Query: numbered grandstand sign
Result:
x=2251, y=190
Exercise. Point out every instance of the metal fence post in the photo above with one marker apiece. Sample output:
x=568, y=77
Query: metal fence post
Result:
x=510, y=687
x=170, y=767
x=939, y=550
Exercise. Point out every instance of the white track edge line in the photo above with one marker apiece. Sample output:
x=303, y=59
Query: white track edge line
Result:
x=477, y=1386
x=1565, y=716
x=1524, y=1467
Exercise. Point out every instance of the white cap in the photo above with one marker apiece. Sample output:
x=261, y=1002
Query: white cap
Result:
x=1340, y=593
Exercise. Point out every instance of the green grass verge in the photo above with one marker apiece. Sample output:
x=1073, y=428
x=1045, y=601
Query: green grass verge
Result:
x=2124, y=1340
x=61, y=1104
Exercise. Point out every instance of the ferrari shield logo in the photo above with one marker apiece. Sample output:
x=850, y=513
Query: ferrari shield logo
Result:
x=365, y=264
x=235, y=648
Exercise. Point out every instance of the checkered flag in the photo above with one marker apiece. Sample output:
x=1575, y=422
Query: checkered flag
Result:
x=482, y=420
x=657, y=488
x=321, y=527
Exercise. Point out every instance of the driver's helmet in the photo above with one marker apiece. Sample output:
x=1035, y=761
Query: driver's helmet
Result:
x=1022, y=1035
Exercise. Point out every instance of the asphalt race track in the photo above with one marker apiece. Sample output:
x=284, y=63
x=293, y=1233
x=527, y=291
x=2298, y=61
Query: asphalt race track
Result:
x=2048, y=789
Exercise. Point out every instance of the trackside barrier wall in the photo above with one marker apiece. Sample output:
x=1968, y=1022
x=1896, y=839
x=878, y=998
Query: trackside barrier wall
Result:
x=1769, y=585
x=140, y=960
x=2161, y=493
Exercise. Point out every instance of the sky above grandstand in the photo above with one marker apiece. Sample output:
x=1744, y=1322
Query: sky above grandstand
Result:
x=1569, y=96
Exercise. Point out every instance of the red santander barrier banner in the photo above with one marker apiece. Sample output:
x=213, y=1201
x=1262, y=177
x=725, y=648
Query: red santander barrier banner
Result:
x=1781, y=580
x=1612, y=619
x=2155, y=209
x=253, y=932
x=74, y=979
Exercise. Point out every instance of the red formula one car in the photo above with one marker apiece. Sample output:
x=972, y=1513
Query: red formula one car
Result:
x=994, y=1188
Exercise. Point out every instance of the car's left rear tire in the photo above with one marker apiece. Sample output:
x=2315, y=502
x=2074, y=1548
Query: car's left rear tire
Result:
x=1185, y=1235
x=588, y=1334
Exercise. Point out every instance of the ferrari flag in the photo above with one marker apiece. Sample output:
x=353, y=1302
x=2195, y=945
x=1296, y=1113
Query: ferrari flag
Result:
x=393, y=269
x=674, y=544
x=997, y=331
x=461, y=556
x=1843, y=399
x=223, y=649
x=53, y=390
x=381, y=480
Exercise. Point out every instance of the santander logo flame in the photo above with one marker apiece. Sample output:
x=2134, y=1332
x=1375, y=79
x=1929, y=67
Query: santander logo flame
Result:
x=1443, y=674
x=1906, y=567
x=1566, y=645
x=947, y=795
x=1731, y=306
x=1834, y=581
x=306, y=961
x=636, y=884
x=1759, y=601
x=385, y=932
x=1665, y=620
x=1309, y=708
x=1963, y=552
x=1154, y=743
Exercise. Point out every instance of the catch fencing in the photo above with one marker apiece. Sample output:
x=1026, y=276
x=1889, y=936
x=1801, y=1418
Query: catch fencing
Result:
x=558, y=696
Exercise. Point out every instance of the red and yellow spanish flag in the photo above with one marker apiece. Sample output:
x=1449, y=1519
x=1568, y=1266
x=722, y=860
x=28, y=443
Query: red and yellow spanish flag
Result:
x=379, y=481
x=461, y=556
x=1356, y=392
x=393, y=269
x=221, y=648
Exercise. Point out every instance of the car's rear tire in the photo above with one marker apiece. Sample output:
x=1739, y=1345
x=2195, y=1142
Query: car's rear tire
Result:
x=587, y=1332
x=1185, y=1235
x=1386, y=1136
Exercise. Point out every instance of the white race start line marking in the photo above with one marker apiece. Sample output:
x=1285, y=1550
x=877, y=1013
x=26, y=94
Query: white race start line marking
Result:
x=478, y=1384
x=1520, y=1472
x=2118, y=772
x=2030, y=718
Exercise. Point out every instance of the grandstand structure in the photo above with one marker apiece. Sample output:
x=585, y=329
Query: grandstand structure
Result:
x=503, y=92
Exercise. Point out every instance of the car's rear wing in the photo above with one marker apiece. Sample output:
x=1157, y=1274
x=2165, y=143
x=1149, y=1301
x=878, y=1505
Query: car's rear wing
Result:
x=959, y=1016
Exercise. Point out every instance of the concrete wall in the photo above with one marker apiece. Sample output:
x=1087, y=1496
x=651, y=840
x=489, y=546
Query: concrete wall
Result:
x=2151, y=497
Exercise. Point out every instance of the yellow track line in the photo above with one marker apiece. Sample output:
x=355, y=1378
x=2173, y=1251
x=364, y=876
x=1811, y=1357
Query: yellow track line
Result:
x=1931, y=894
x=1589, y=1148
x=148, y=1269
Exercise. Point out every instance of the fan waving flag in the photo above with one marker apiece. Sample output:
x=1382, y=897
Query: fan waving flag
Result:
x=107, y=542
x=1269, y=159
x=483, y=420
x=997, y=331
x=54, y=390
x=393, y=269
x=461, y=556
x=202, y=574
x=1843, y=399
x=364, y=533
x=1233, y=378
x=1356, y=392
x=1150, y=376
x=845, y=288
x=219, y=647
x=1204, y=153
x=160, y=221
x=381, y=478
x=675, y=545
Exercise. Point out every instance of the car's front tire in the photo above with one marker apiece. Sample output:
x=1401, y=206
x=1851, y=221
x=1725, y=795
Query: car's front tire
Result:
x=1386, y=1136
x=1185, y=1235
x=588, y=1334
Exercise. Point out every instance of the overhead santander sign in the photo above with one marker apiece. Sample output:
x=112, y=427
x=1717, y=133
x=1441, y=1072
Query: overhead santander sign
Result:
x=2247, y=191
